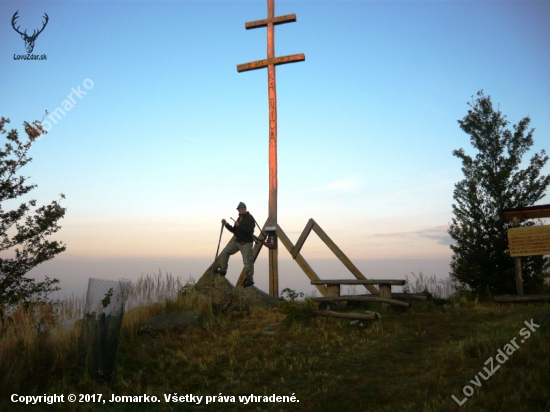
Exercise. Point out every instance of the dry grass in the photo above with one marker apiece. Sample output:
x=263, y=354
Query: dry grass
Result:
x=413, y=361
x=442, y=288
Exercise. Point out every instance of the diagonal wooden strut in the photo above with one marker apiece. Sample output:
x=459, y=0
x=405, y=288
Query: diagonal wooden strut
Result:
x=312, y=225
x=299, y=259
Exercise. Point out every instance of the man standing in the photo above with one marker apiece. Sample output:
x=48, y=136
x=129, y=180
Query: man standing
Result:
x=243, y=230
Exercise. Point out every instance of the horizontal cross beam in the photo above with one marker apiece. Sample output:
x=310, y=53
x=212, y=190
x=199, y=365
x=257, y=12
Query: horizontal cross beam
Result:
x=259, y=64
x=288, y=18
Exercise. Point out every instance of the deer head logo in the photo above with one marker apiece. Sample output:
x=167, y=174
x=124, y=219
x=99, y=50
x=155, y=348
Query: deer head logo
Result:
x=29, y=40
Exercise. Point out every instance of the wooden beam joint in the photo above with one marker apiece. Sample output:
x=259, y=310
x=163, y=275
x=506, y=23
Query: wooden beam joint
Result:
x=260, y=64
x=287, y=18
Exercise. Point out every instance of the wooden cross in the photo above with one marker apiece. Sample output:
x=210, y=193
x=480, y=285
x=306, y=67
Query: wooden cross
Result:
x=271, y=62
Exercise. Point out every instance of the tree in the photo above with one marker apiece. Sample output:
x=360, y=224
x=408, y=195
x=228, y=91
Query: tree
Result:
x=494, y=182
x=23, y=228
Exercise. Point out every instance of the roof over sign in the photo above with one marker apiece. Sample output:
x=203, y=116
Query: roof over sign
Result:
x=531, y=212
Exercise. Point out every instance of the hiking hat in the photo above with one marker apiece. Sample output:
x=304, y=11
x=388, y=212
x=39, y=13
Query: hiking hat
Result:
x=241, y=205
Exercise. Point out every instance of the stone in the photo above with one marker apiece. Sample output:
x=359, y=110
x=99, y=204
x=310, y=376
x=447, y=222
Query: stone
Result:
x=252, y=296
x=226, y=296
x=356, y=324
x=217, y=287
x=175, y=319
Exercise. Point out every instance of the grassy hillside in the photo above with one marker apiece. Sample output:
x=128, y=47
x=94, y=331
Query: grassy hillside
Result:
x=411, y=361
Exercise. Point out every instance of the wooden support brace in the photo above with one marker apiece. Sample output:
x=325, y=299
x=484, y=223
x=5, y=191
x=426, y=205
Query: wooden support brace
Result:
x=305, y=233
x=340, y=255
x=299, y=259
x=333, y=290
x=385, y=292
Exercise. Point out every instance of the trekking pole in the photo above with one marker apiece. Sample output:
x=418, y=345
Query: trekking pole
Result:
x=258, y=240
x=258, y=226
x=217, y=250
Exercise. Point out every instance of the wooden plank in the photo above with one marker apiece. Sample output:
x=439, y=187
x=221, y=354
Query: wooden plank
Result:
x=260, y=64
x=340, y=255
x=348, y=315
x=531, y=212
x=399, y=296
x=256, y=250
x=299, y=259
x=358, y=282
x=529, y=241
x=303, y=236
x=522, y=299
x=356, y=298
x=287, y=18
x=408, y=296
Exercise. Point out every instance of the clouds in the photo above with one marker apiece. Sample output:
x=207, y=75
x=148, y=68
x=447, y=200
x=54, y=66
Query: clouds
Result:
x=437, y=233
x=340, y=185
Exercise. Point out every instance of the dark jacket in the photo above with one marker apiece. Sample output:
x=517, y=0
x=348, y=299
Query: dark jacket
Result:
x=243, y=232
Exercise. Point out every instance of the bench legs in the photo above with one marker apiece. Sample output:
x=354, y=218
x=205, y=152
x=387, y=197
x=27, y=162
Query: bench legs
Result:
x=385, y=292
x=333, y=291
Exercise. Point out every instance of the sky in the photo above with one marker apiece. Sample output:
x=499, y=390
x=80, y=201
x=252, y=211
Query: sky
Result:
x=163, y=137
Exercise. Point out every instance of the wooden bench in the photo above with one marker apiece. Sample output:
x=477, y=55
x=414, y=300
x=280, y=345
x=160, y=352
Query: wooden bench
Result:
x=384, y=296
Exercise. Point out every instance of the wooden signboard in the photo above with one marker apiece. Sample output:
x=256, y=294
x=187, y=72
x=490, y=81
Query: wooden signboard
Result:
x=528, y=241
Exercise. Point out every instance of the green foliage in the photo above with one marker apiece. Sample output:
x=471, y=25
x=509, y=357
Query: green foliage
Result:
x=494, y=182
x=187, y=288
x=29, y=228
x=291, y=294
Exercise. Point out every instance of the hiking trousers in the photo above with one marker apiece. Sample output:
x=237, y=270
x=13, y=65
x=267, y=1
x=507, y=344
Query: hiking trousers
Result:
x=246, y=251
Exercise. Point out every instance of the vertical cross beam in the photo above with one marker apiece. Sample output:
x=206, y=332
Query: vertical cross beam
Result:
x=271, y=62
x=272, y=91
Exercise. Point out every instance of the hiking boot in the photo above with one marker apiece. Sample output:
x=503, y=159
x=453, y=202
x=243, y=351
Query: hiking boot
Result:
x=247, y=283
